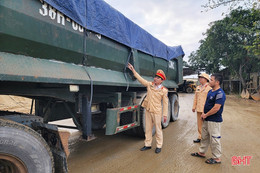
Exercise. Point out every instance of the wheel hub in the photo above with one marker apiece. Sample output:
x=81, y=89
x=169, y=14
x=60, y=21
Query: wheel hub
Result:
x=11, y=164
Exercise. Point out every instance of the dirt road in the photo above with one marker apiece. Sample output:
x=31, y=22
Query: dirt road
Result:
x=120, y=153
x=14, y=103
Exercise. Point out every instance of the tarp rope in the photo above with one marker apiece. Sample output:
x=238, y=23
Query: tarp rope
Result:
x=126, y=64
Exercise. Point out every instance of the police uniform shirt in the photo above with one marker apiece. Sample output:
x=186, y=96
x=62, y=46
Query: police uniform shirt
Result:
x=155, y=97
x=200, y=97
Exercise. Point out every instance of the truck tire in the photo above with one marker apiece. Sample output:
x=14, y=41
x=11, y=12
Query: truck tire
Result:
x=165, y=125
x=174, y=107
x=23, y=150
x=189, y=90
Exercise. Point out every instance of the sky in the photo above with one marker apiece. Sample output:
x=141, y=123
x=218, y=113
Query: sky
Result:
x=174, y=22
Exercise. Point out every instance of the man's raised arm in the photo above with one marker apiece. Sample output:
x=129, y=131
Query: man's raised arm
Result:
x=138, y=77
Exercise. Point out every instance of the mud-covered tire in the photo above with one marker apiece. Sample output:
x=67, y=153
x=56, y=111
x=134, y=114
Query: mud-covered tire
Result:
x=174, y=100
x=26, y=146
x=165, y=125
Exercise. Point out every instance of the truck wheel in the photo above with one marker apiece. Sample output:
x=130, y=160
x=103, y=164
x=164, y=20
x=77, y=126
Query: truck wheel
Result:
x=189, y=90
x=174, y=107
x=23, y=150
x=166, y=124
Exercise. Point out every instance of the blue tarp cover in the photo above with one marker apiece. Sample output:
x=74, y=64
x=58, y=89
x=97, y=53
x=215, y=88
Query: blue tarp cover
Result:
x=100, y=17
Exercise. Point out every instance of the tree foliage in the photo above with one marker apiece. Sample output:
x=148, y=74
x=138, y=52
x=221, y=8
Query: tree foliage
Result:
x=232, y=4
x=232, y=42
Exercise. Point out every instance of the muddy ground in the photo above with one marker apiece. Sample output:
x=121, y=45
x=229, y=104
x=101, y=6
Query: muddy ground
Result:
x=120, y=153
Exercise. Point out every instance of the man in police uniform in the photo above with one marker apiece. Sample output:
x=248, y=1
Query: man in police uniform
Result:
x=156, y=95
x=199, y=101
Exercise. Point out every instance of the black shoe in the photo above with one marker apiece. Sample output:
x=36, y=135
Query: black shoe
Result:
x=158, y=150
x=145, y=148
x=196, y=141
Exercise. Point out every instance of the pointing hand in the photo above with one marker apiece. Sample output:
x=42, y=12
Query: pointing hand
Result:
x=130, y=67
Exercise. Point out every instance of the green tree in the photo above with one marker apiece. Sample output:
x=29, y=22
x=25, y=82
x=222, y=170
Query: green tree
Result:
x=236, y=4
x=230, y=43
x=233, y=4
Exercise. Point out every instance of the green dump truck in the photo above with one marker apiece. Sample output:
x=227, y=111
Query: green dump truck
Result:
x=70, y=58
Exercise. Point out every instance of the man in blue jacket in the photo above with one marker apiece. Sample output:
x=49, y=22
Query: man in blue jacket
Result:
x=212, y=117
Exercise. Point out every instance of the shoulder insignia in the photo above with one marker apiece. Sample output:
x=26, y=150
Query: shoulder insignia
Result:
x=163, y=87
